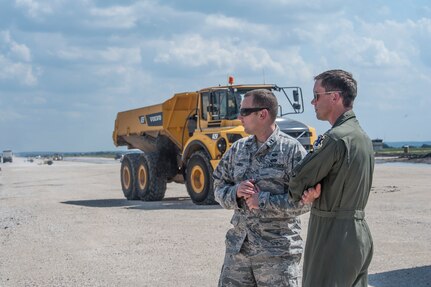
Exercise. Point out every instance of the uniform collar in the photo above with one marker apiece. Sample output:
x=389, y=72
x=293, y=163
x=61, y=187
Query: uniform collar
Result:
x=344, y=117
x=269, y=142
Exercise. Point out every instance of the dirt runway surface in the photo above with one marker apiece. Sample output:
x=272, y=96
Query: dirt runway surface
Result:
x=68, y=224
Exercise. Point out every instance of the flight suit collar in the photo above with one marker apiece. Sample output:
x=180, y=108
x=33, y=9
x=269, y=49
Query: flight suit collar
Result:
x=344, y=117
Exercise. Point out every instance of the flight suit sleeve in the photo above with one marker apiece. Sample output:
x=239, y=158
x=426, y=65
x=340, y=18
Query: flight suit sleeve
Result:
x=314, y=167
x=224, y=186
x=282, y=202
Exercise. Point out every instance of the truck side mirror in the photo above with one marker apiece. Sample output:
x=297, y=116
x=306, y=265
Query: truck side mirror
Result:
x=295, y=96
x=296, y=106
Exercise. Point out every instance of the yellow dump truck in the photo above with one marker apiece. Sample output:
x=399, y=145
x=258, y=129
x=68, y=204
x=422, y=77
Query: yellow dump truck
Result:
x=184, y=138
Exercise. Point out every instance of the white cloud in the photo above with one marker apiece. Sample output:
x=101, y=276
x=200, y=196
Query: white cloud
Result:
x=384, y=56
x=357, y=43
x=290, y=2
x=368, y=52
x=14, y=49
x=225, y=23
x=195, y=51
x=21, y=51
x=38, y=100
x=71, y=53
x=125, y=56
x=295, y=68
x=384, y=11
x=154, y=15
x=128, y=80
x=72, y=114
x=15, y=61
x=34, y=8
x=408, y=39
x=117, y=17
x=8, y=115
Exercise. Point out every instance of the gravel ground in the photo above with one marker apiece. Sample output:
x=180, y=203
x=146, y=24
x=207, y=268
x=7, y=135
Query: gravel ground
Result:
x=67, y=224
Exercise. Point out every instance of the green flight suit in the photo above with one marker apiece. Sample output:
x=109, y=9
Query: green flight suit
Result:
x=339, y=246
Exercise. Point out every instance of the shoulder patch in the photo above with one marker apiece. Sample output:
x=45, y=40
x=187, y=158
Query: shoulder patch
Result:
x=319, y=142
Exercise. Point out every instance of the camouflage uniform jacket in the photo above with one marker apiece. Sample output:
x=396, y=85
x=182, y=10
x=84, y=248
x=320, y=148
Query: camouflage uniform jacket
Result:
x=274, y=228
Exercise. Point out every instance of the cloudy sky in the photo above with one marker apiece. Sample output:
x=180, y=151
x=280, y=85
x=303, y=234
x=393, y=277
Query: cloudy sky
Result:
x=67, y=67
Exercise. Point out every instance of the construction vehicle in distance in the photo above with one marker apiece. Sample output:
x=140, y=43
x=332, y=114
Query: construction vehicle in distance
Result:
x=183, y=139
x=7, y=156
x=57, y=156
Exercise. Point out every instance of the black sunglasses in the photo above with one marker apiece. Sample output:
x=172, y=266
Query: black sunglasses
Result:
x=246, y=111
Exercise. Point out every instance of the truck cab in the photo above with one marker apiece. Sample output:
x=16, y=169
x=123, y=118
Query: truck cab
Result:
x=218, y=110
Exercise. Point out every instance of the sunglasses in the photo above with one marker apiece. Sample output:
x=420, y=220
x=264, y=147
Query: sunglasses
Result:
x=246, y=111
x=317, y=95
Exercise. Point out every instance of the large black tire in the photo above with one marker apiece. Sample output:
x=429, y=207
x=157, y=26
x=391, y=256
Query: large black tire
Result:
x=128, y=167
x=150, y=178
x=199, y=180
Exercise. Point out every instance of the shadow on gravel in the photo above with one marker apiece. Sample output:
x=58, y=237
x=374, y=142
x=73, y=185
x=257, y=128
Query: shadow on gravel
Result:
x=167, y=203
x=417, y=277
x=101, y=202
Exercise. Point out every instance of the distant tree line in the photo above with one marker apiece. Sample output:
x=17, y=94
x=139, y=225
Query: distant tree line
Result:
x=422, y=146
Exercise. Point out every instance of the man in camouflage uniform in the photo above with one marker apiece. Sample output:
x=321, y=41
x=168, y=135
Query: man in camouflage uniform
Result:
x=339, y=246
x=264, y=246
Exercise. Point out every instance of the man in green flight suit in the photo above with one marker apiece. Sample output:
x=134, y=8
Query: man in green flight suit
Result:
x=339, y=246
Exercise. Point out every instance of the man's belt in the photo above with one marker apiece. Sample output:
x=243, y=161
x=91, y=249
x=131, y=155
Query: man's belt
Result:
x=342, y=214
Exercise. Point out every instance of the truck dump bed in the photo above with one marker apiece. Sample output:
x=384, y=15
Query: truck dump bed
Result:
x=141, y=128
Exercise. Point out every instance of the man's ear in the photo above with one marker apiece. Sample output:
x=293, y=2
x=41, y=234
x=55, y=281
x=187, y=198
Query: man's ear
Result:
x=336, y=96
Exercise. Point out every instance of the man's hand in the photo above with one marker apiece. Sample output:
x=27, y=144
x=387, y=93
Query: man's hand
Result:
x=311, y=194
x=245, y=189
x=253, y=201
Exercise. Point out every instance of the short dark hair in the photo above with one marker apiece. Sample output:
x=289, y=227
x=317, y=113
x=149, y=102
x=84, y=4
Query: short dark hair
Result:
x=339, y=80
x=264, y=98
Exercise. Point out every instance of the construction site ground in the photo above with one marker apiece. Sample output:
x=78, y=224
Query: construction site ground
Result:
x=68, y=224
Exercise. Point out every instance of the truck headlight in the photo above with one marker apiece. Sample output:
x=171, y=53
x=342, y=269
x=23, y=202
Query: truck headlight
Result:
x=221, y=145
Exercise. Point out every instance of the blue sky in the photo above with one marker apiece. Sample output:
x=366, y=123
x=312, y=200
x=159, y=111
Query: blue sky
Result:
x=67, y=67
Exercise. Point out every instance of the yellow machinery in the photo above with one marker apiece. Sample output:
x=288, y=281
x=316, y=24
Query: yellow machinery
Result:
x=184, y=138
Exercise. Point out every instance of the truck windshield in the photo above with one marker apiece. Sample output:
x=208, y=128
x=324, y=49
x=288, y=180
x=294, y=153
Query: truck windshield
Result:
x=289, y=99
x=224, y=105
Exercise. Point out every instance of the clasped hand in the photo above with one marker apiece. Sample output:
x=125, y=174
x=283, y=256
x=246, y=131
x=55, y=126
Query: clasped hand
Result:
x=249, y=191
x=311, y=194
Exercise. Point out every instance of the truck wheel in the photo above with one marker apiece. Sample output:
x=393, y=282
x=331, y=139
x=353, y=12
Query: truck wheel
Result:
x=150, y=181
x=128, y=167
x=199, y=180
